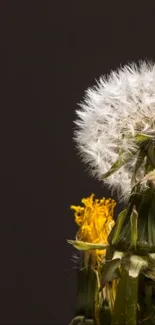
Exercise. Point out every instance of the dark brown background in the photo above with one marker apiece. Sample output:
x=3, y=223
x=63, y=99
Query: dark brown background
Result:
x=50, y=52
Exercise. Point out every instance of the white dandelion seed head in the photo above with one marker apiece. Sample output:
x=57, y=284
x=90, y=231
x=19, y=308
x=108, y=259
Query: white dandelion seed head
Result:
x=122, y=103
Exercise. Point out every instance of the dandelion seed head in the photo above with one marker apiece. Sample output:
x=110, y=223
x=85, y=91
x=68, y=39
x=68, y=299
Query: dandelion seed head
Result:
x=120, y=104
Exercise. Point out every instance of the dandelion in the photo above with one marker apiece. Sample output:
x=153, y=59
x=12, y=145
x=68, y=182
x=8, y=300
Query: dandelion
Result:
x=95, y=221
x=115, y=125
x=115, y=134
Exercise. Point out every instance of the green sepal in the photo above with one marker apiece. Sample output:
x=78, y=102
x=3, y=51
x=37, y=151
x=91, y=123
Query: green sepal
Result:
x=148, y=167
x=139, y=161
x=151, y=153
x=81, y=320
x=119, y=163
x=150, y=227
x=115, y=233
x=142, y=232
x=140, y=139
x=134, y=231
x=109, y=271
x=84, y=246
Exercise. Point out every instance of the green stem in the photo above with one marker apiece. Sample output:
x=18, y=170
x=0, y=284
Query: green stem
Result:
x=131, y=300
x=118, y=316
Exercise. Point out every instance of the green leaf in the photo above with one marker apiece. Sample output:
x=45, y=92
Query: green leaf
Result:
x=118, y=226
x=84, y=246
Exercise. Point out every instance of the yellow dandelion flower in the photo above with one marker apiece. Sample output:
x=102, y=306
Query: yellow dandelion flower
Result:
x=95, y=221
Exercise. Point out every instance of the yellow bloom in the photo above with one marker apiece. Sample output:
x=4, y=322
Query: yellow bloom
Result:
x=95, y=221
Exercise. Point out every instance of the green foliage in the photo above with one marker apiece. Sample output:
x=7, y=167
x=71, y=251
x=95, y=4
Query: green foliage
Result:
x=134, y=236
x=146, y=148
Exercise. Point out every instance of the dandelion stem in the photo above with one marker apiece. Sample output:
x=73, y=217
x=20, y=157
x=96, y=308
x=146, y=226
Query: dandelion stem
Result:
x=119, y=307
x=131, y=300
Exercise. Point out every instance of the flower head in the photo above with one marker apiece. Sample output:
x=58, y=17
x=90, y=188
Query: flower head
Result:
x=95, y=221
x=113, y=112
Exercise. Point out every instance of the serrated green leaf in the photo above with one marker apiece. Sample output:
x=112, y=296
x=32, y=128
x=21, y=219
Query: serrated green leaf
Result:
x=84, y=246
